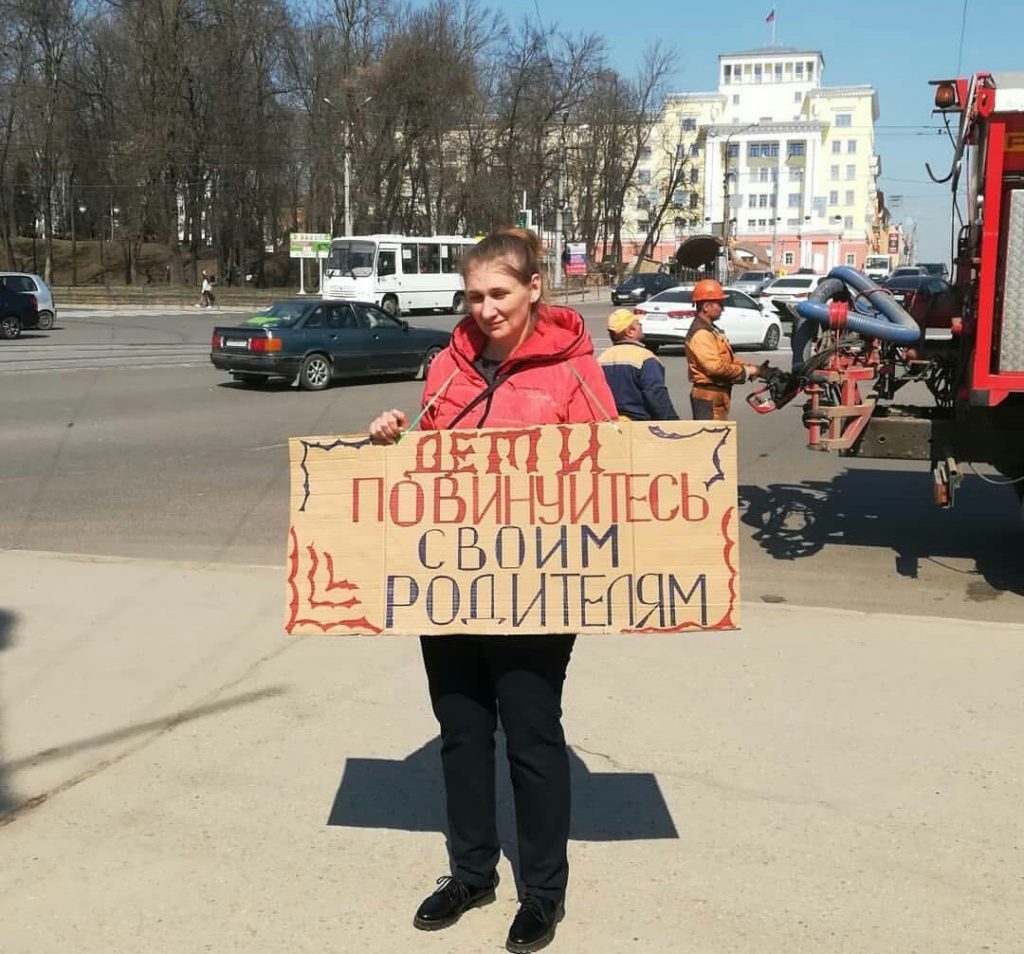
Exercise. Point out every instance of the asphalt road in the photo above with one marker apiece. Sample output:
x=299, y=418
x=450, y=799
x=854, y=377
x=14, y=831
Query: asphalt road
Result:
x=119, y=438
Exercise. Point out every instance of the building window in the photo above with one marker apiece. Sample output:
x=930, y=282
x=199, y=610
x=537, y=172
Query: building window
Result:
x=844, y=120
x=851, y=172
x=833, y=197
x=695, y=150
x=688, y=124
x=762, y=223
x=679, y=196
x=752, y=200
x=833, y=172
x=787, y=258
x=795, y=199
x=762, y=201
x=680, y=151
x=762, y=174
x=851, y=260
x=796, y=148
x=728, y=72
x=792, y=222
x=778, y=72
x=735, y=100
x=837, y=147
x=643, y=176
x=694, y=200
x=694, y=175
x=851, y=146
x=819, y=205
x=733, y=150
x=797, y=174
x=797, y=97
x=849, y=197
x=757, y=72
x=750, y=223
x=799, y=71
x=848, y=222
x=645, y=153
x=753, y=150
x=810, y=70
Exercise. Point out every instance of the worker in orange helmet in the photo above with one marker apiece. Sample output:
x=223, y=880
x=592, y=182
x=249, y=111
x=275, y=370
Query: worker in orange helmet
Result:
x=712, y=364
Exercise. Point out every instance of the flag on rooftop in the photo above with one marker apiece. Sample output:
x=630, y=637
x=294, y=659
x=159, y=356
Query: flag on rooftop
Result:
x=771, y=16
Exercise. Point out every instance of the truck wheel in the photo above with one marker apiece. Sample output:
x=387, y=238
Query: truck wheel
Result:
x=10, y=326
x=390, y=305
x=315, y=373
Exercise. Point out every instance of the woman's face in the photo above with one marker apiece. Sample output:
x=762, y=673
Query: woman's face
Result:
x=500, y=303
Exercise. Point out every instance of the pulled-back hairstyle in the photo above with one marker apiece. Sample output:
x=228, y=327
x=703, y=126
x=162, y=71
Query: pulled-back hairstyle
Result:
x=517, y=251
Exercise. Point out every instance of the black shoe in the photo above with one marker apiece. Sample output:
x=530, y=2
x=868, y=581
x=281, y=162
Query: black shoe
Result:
x=534, y=925
x=447, y=904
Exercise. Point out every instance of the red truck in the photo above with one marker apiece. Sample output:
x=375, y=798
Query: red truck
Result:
x=862, y=349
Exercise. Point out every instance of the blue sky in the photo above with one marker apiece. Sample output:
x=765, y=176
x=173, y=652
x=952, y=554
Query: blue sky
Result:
x=894, y=46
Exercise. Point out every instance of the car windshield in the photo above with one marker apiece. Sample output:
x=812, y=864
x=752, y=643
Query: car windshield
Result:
x=636, y=281
x=351, y=258
x=870, y=262
x=281, y=314
x=783, y=283
x=675, y=294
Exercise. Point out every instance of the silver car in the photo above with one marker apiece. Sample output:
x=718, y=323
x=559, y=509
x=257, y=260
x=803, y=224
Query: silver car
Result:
x=753, y=282
x=28, y=283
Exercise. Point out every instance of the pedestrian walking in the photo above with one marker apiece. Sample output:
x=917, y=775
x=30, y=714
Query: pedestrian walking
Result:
x=712, y=363
x=512, y=360
x=206, y=296
x=635, y=376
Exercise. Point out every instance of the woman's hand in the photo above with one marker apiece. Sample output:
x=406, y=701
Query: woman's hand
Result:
x=388, y=427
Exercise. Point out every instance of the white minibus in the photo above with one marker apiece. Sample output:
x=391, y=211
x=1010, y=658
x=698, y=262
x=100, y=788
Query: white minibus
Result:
x=398, y=272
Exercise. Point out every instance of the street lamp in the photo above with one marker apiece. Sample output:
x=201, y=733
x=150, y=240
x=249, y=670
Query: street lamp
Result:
x=346, y=130
x=74, y=244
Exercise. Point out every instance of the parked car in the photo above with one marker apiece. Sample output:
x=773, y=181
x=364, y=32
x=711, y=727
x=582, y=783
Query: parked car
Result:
x=17, y=311
x=641, y=287
x=665, y=320
x=785, y=293
x=877, y=267
x=938, y=269
x=753, y=283
x=932, y=302
x=318, y=340
x=30, y=284
x=908, y=270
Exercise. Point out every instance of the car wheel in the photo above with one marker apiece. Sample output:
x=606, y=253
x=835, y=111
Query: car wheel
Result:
x=251, y=380
x=390, y=305
x=771, y=338
x=45, y=320
x=459, y=304
x=315, y=373
x=10, y=326
x=428, y=360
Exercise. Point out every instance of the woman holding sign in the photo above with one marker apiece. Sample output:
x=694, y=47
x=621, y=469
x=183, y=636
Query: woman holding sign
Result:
x=512, y=361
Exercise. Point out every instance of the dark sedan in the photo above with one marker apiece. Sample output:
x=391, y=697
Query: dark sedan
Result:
x=931, y=302
x=641, y=287
x=315, y=341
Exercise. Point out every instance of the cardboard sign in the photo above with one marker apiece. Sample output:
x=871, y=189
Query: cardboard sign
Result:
x=584, y=528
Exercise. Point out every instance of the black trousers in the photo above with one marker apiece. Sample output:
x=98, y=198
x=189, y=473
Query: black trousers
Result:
x=473, y=680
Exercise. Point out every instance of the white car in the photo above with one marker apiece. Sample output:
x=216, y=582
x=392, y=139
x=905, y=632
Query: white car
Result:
x=784, y=294
x=665, y=320
x=27, y=283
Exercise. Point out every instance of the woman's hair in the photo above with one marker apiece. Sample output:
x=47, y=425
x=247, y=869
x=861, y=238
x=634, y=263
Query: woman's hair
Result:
x=517, y=251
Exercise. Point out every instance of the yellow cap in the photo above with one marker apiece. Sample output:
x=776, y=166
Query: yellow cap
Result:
x=620, y=319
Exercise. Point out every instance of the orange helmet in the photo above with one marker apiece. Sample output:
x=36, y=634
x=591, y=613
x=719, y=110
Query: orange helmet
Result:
x=707, y=289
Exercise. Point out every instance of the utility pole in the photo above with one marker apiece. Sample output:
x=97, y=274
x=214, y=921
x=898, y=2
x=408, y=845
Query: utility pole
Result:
x=348, y=181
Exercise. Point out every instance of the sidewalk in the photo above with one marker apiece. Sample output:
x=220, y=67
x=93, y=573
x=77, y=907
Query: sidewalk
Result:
x=181, y=777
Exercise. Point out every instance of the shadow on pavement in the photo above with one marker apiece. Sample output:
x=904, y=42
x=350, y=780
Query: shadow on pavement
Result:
x=408, y=795
x=893, y=510
x=6, y=630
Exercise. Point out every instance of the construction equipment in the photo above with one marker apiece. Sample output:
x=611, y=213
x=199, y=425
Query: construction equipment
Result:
x=855, y=347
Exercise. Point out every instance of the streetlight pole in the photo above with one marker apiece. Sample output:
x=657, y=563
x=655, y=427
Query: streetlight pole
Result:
x=558, y=208
x=346, y=129
x=725, y=195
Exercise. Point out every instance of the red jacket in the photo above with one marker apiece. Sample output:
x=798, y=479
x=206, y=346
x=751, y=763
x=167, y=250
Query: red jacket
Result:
x=540, y=382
